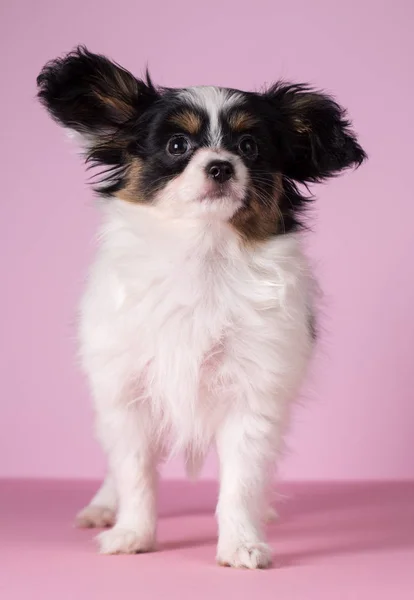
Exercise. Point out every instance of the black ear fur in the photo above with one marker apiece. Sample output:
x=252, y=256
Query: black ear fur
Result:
x=89, y=93
x=312, y=133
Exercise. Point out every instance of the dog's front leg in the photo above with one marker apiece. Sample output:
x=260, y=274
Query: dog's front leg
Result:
x=132, y=462
x=245, y=444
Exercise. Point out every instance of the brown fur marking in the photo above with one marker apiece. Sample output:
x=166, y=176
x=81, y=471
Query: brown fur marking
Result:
x=118, y=92
x=301, y=110
x=130, y=192
x=241, y=120
x=187, y=120
x=118, y=103
x=301, y=125
x=259, y=221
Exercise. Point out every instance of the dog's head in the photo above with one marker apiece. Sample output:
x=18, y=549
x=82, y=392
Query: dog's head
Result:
x=202, y=152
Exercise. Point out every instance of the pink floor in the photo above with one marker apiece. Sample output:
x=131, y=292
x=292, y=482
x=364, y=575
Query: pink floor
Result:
x=332, y=542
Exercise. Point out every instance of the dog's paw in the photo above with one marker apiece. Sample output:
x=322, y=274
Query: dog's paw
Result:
x=124, y=541
x=245, y=556
x=95, y=516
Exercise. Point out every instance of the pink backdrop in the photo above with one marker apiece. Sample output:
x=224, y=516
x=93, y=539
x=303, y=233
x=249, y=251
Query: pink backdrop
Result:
x=357, y=418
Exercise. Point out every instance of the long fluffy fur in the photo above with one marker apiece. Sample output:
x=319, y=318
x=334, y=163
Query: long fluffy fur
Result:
x=197, y=323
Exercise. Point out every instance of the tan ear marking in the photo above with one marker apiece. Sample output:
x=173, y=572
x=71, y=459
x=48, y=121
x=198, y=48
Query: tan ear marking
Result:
x=118, y=92
x=301, y=125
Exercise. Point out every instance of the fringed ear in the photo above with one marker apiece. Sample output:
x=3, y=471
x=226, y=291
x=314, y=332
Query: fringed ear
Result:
x=312, y=132
x=100, y=103
x=90, y=94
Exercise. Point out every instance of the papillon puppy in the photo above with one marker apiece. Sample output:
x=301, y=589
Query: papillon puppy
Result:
x=198, y=320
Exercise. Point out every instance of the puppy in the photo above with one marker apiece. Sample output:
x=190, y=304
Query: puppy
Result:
x=197, y=323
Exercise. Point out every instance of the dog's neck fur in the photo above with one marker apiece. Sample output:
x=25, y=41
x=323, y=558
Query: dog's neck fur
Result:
x=177, y=290
x=192, y=240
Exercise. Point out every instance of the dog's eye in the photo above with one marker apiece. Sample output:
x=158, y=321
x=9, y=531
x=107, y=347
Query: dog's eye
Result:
x=248, y=147
x=178, y=145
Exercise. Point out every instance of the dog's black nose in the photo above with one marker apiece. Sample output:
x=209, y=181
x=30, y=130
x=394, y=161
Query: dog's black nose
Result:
x=220, y=170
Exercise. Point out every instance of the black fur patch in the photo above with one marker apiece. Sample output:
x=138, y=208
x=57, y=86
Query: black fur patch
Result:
x=102, y=101
x=303, y=136
x=306, y=137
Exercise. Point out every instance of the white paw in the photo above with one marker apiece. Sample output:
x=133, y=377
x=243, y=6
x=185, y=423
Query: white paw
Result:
x=95, y=516
x=124, y=541
x=245, y=556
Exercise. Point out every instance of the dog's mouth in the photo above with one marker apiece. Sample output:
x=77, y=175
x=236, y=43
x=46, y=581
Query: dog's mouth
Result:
x=221, y=192
x=218, y=194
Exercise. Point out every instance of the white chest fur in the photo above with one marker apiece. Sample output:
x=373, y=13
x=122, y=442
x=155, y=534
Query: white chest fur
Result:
x=187, y=321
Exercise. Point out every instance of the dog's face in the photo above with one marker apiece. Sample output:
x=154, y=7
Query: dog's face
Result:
x=204, y=152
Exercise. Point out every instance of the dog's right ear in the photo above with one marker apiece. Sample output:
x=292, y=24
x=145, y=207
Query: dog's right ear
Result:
x=90, y=94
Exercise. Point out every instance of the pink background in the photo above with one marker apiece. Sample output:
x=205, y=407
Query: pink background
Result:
x=357, y=417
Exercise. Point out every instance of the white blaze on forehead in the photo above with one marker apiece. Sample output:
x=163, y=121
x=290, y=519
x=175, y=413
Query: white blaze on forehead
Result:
x=214, y=101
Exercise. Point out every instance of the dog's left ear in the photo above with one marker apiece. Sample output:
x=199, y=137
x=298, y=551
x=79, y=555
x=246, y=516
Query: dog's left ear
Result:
x=92, y=95
x=312, y=133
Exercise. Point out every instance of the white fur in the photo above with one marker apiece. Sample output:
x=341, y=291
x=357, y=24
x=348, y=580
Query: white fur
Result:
x=215, y=101
x=190, y=193
x=191, y=337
